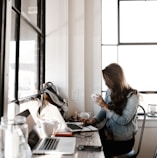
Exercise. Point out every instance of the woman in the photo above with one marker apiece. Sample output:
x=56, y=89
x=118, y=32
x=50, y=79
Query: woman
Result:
x=119, y=112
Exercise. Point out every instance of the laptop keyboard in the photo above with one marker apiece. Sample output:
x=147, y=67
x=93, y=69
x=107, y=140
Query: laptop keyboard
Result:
x=73, y=126
x=49, y=144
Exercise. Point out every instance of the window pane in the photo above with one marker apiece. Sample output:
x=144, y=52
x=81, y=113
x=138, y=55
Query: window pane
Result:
x=13, y=3
x=29, y=8
x=11, y=94
x=109, y=22
x=27, y=61
x=109, y=55
x=139, y=64
x=138, y=21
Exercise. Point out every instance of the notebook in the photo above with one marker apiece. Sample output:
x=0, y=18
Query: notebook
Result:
x=47, y=145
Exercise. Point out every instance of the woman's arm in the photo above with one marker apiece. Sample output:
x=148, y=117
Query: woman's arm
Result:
x=103, y=104
x=128, y=113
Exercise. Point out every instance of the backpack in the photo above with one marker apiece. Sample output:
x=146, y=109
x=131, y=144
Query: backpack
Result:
x=56, y=98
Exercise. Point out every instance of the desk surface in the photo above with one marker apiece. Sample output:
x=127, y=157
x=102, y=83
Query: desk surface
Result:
x=86, y=138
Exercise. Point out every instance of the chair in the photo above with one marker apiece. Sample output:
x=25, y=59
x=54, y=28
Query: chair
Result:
x=134, y=153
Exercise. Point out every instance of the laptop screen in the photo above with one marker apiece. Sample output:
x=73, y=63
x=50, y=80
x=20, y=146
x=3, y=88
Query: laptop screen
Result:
x=33, y=136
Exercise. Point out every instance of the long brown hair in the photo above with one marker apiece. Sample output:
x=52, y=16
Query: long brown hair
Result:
x=115, y=80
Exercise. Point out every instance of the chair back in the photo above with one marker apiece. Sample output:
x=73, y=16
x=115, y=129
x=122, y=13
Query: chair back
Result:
x=134, y=153
x=142, y=129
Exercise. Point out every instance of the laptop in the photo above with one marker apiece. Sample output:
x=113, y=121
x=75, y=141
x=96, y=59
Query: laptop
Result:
x=79, y=127
x=47, y=145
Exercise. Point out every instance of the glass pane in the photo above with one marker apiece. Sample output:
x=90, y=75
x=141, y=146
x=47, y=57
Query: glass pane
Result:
x=139, y=64
x=27, y=61
x=138, y=21
x=29, y=8
x=11, y=94
x=109, y=22
x=109, y=55
x=13, y=2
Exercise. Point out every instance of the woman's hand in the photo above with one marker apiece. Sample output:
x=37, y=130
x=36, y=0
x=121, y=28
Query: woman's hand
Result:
x=99, y=100
x=90, y=121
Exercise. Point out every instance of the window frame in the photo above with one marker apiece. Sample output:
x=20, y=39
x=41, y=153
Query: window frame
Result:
x=124, y=43
x=41, y=48
x=2, y=52
x=40, y=30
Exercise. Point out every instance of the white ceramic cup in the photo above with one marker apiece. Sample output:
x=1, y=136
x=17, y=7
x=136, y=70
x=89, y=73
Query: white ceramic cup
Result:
x=84, y=115
x=94, y=97
x=50, y=127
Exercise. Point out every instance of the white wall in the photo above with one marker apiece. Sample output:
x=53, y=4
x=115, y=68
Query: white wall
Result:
x=73, y=50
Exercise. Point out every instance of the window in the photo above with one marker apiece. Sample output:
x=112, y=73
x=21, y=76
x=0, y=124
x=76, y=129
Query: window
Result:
x=137, y=22
x=129, y=37
x=26, y=56
x=22, y=49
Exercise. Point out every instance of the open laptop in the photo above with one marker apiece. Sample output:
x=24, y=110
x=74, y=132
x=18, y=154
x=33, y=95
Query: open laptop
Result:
x=79, y=127
x=47, y=145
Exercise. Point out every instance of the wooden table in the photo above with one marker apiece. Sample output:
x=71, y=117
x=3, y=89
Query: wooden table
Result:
x=86, y=138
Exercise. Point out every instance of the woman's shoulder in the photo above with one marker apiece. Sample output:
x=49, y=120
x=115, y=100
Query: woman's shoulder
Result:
x=133, y=98
x=132, y=92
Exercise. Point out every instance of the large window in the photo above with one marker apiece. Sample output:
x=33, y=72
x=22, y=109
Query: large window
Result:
x=26, y=56
x=22, y=51
x=129, y=37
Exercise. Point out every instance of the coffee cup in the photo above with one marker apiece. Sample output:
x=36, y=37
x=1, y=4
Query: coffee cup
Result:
x=84, y=115
x=94, y=97
x=50, y=127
